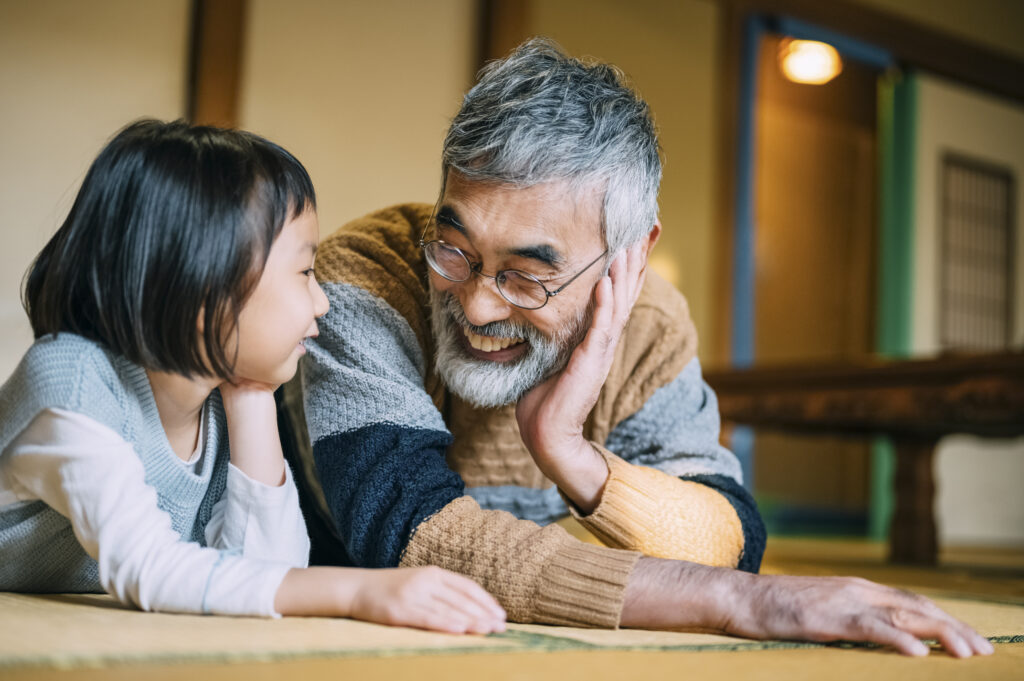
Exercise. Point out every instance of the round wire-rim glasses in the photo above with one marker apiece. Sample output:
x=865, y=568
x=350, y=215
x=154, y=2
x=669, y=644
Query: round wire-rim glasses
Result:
x=521, y=289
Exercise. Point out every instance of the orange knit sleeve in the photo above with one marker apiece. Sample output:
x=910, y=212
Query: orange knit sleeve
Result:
x=643, y=509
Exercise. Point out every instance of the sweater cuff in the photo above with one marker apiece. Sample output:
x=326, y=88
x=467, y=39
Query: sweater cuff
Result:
x=627, y=503
x=644, y=509
x=584, y=586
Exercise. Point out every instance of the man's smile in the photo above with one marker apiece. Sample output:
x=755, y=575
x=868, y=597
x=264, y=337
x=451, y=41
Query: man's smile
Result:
x=493, y=348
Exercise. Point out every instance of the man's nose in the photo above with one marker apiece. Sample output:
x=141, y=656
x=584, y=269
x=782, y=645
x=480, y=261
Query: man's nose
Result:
x=481, y=301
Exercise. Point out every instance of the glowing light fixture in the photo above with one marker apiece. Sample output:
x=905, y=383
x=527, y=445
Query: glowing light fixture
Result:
x=809, y=61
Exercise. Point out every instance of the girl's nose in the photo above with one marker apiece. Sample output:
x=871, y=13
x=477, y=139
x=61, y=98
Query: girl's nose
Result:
x=320, y=302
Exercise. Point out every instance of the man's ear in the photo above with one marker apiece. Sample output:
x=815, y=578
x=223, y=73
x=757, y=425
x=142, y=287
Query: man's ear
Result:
x=652, y=238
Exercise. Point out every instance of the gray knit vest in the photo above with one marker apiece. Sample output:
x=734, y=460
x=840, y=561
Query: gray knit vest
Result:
x=38, y=549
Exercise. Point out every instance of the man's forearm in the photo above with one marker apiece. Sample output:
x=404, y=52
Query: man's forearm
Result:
x=671, y=594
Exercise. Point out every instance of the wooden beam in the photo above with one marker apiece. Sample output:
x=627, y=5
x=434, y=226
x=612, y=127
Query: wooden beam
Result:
x=215, y=64
x=503, y=25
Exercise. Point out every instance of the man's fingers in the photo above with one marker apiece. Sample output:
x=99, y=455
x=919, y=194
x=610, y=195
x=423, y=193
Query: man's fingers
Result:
x=955, y=636
x=922, y=626
x=903, y=630
x=919, y=612
x=627, y=273
x=978, y=643
x=621, y=274
x=876, y=631
x=600, y=334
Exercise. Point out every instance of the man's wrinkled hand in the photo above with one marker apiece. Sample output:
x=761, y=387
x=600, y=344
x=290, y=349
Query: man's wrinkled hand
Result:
x=551, y=415
x=852, y=609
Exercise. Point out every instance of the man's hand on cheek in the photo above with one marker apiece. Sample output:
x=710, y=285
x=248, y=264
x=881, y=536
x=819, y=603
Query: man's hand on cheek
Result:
x=551, y=415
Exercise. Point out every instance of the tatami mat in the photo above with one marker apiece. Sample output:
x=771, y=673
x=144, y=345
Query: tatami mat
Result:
x=91, y=637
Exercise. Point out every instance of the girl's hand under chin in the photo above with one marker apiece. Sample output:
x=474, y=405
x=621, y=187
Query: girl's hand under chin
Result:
x=252, y=430
x=242, y=388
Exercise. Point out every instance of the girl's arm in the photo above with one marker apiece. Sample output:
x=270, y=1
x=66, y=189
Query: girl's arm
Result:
x=252, y=431
x=259, y=513
x=92, y=476
x=260, y=521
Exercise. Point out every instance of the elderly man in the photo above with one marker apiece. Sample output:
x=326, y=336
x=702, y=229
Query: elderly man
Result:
x=502, y=359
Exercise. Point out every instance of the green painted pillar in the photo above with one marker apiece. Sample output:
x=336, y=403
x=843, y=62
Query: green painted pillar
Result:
x=897, y=137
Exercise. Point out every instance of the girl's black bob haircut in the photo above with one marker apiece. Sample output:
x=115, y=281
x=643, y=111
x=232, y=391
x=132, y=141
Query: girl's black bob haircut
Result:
x=173, y=222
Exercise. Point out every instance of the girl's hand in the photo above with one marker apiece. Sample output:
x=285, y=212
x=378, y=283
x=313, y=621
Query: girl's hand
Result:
x=427, y=598
x=423, y=597
x=252, y=430
x=551, y=415
x=244, y=389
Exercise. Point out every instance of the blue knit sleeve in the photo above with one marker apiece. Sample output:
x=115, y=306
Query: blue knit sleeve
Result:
x=378, y=442
x=677, y=432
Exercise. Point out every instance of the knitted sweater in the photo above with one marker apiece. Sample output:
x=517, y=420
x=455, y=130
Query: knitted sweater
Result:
x=72, y=373
x=95, y=499
x=399, y=471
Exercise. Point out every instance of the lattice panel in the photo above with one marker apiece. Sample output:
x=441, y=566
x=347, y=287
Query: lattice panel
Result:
x=976, y=271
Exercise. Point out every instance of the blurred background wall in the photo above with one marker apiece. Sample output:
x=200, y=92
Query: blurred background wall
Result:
x=362, y=93
x=71, y=74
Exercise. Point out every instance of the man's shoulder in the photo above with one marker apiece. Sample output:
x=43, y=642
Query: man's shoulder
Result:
x=379, y=253
x=387, y=238
x=662, y=306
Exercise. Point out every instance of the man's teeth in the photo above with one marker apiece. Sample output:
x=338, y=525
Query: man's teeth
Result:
x=489, y=343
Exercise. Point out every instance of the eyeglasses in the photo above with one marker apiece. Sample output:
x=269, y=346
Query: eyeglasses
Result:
x=519, y=288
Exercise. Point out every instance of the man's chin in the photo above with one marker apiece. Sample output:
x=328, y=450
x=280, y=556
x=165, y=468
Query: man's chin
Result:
x=483, y=383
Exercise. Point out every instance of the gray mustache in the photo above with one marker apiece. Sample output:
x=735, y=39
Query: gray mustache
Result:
x=501, y=329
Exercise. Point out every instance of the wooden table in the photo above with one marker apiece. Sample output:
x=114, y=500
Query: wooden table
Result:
x=914, y=402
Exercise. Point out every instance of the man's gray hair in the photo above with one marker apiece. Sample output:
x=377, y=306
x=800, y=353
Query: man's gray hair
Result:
x=540, y=116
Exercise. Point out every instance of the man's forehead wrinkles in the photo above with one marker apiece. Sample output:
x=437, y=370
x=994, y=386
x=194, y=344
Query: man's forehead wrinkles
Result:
x=543, y=253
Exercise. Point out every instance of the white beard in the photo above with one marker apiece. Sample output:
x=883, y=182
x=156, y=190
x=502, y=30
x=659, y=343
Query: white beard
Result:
x=488, y=384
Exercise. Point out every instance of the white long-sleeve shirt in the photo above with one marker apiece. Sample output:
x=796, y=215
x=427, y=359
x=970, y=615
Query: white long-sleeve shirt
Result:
x=92, y=476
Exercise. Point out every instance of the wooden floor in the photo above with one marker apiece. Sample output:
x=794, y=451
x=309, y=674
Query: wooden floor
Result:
x=986, y=585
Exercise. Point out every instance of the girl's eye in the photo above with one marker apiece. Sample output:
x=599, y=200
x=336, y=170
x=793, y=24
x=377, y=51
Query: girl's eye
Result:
x=308, y=272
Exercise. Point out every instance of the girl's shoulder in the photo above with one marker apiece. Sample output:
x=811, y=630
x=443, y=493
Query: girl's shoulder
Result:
x=70, y=360
x=66, y=371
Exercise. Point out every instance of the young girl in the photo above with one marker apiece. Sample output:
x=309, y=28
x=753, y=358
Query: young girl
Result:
x=167, y=308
